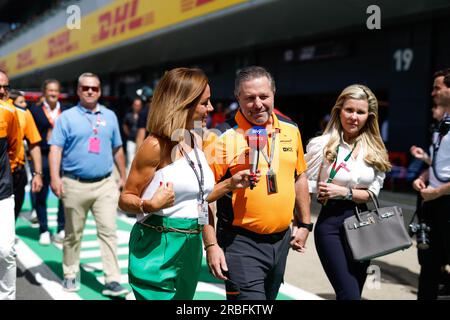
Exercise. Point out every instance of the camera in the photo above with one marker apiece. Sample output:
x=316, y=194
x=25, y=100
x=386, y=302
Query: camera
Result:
x=420, y=230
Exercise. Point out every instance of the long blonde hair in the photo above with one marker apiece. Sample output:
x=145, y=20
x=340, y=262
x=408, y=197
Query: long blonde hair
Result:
x=369, y=136
x=177, y=91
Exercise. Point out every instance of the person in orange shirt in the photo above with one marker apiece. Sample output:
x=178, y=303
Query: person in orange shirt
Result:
x=32, y=139
x=10, y=139
x=253, y=225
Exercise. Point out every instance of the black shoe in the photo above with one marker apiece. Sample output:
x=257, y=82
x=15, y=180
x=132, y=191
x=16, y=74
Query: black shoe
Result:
x=114, y=289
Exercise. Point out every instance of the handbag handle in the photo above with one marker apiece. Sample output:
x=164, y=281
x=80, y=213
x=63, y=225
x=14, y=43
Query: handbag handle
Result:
x=375, y=202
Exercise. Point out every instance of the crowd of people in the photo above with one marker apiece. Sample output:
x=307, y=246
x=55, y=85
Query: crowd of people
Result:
x=192, y=176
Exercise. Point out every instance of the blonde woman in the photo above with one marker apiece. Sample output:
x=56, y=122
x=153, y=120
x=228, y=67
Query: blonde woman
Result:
x=345, y=163
x=168, y=187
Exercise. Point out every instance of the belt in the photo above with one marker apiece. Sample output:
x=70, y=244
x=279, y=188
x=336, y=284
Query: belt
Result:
x=164, y=229
x=270, y=237
x=74, y=177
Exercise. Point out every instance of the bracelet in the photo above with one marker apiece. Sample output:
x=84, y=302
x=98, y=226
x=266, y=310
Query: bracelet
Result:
x=141, y=206
x=35, y=173
x=210, y=245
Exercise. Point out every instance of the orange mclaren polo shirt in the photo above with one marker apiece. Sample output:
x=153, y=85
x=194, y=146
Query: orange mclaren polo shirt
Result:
x=258, y=210
x=29, y=132
x=10, y=139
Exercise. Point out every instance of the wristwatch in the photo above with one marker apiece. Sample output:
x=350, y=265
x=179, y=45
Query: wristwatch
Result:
x=308, y=226
x=349, y=195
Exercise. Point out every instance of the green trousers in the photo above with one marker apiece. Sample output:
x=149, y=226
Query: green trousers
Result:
x=164, y=266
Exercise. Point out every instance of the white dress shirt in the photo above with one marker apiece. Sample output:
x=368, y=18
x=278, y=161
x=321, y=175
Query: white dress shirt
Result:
x=442, y=162
x=356, y=174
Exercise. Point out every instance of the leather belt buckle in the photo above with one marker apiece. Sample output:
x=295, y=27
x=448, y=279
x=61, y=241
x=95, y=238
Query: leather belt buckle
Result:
x=159, y=229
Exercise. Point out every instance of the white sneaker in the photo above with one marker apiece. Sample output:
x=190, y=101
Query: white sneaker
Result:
x=44, y=239
x=59, y=237
x=34, y=219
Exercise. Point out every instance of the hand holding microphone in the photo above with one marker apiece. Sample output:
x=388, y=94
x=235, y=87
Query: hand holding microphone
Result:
x=257, y=140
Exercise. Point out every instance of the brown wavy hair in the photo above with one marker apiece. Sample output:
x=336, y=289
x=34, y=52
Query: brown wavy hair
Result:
x=177, y=91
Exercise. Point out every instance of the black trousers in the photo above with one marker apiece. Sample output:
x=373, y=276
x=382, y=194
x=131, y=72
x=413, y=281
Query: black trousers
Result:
x=19, y=183
x=346, y=275
x=436, y=214
x=256, y=263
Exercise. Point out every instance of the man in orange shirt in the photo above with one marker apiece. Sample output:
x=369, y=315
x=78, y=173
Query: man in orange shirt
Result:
x=253, y=225
x=10, y=139
x=31, y=134
x=32, y=139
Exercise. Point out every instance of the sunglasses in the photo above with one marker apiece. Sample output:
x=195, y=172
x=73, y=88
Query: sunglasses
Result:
x=5, y=87
x=86, y=88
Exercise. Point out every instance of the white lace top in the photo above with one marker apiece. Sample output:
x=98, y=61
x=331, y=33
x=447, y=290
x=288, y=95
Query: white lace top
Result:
x=356, y=174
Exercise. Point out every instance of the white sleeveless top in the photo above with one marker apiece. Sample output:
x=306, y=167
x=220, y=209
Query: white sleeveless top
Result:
x=185, y=186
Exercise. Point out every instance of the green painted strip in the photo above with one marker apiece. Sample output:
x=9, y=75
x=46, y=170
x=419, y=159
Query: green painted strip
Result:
x=201, y=295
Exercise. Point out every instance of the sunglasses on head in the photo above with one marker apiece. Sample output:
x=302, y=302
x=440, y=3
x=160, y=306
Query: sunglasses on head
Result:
x=5, y=87
x=86, y=88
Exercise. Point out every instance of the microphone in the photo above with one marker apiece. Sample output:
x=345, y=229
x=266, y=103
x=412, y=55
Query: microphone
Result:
x=257, y=140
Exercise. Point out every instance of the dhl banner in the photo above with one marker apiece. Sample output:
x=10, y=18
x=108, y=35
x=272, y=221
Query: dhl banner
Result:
x=119, y=21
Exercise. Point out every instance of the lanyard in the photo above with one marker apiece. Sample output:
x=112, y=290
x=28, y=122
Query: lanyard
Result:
x=201, y=178
x=94, y=127
x=335, y=170
x=49, y=116
x=270, y=158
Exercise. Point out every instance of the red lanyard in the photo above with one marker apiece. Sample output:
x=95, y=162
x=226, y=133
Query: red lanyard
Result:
x=49, y=117
x=335, y=170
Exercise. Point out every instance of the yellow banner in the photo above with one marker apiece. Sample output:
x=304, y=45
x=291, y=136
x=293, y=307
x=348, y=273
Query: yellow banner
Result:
x=120, y=21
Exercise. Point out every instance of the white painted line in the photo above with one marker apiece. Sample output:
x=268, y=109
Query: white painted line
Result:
x=49, y=281
x=123, y=236
x=96, y=244
x=90, y=244
x=211, y=287
x=286, y=289
x=297, y=293
x=53, y=222
x=126, y=219
x=88, y=232
x=99, y=265
x=97, y=254
x=123, y=279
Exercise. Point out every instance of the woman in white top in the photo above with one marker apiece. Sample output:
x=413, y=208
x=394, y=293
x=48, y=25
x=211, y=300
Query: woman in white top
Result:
x=168, y=187
x=345, y=163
